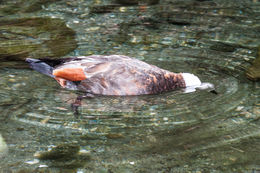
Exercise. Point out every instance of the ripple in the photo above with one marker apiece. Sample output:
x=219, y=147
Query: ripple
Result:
x=173, y=122
x=174, y=108
x=169, y=132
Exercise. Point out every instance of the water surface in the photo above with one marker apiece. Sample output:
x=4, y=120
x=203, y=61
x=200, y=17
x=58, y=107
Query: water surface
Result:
x=169, y=132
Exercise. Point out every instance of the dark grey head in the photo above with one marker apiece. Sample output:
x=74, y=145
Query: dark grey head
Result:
x=40, y=66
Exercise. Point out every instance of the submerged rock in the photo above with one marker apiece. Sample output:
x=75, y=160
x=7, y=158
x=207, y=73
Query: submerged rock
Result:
x=22, y=6
x=224, y=47
x=114, y=135
x=35, y=37
x=103, y=8
x=253, y=72
x=174, y=18
x=62, y=151
x=137, y=2
x=65, y=156
x=15, y=64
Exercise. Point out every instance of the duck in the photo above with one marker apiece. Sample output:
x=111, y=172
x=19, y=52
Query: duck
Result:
x=114, y=75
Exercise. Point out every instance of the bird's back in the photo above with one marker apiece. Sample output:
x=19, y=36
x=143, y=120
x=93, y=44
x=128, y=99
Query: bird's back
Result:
x=121, y=75
x=112, y=75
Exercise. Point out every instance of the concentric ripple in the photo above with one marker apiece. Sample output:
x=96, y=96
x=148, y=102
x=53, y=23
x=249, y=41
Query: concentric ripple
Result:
x=174, y=107
x=179, y=123
x=174, y=122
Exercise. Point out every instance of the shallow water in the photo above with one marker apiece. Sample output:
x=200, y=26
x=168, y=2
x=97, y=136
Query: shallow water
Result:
x=170, y=132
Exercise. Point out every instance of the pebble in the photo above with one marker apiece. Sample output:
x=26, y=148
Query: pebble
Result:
x=22, y=146
x=83, y=151
x=62, y=108
x=152, y=138
x=61, y=151
x=233, y=159
x=132, y=163
x=239, y=108
x=95, y=28
x=12, y=80
x=43, y=166
x=122, y=9
x=3, y=147
x=165, y=118
x=114, y=135
x=31, y=162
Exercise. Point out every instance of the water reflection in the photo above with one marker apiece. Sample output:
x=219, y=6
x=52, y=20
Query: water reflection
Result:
x=169, y=132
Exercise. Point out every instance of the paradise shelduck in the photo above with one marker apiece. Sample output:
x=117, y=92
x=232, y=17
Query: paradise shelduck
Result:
x=114, y=75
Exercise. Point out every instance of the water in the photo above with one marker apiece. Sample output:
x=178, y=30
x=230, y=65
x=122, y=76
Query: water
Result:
x=170, y=132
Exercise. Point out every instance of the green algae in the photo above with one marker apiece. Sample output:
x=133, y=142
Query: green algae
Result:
x=23, y=6
x=65, y=155
x=62, y=151
x=35, y=37
x=253, y=72
x=136, y=2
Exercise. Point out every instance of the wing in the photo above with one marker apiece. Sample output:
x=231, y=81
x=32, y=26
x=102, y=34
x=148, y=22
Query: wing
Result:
x=99, y=64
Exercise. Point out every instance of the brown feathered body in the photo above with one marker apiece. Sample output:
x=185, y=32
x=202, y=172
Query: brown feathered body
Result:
x=110, y=75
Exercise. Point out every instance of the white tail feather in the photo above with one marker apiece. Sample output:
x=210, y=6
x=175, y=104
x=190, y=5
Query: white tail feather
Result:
x=191, y=80
x=192, y=83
